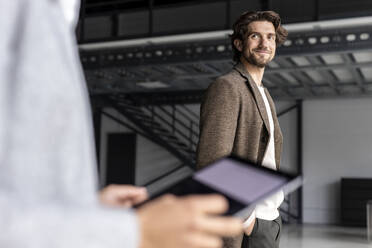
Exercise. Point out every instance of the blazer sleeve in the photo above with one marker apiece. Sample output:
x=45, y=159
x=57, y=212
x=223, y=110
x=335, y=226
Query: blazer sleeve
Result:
x=218, y=121
x=35, y=222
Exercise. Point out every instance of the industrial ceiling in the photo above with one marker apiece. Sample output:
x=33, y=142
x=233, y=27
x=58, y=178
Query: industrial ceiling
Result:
x=320, y=59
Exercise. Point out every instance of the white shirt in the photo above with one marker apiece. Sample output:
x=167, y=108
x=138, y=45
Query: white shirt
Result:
x=269, y=158
x=268, y=209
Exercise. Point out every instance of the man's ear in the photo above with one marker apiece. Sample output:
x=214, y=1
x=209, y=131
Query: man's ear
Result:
x=238, y=45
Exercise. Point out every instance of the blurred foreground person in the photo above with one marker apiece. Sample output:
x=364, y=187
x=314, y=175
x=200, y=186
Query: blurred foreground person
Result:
x=48, y=187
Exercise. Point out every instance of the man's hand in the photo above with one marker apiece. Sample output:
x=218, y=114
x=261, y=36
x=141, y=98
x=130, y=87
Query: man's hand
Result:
x=248, y=229
x=122, y=195
x=186, y=222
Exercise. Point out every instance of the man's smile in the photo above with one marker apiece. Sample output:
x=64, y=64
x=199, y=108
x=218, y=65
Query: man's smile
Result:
x=261, y=51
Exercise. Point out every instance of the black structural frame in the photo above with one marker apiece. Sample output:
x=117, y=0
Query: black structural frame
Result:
x=298, y=107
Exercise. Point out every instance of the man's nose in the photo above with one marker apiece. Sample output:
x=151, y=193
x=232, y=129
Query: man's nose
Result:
x=264, y=42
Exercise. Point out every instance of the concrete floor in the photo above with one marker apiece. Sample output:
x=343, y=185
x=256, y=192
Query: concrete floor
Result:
x=321, y=236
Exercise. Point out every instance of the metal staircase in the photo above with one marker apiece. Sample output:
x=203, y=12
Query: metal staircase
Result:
x=176, y=129
x=173, y=127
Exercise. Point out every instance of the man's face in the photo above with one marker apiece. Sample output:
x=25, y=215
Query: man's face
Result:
x=259, y=47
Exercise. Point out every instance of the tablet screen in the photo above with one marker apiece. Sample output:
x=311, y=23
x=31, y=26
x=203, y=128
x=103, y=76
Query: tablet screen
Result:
x=244, y=183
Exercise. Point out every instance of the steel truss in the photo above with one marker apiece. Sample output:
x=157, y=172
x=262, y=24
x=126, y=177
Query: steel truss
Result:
x=308, y=65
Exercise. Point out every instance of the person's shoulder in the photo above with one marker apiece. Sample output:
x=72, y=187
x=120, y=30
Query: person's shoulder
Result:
x=233, y=76
x=232, y=79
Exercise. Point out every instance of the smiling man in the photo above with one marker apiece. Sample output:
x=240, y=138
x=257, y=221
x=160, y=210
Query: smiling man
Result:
x=238, y=117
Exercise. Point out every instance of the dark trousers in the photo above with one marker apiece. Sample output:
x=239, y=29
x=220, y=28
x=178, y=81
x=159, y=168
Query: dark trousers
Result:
x=265, y=234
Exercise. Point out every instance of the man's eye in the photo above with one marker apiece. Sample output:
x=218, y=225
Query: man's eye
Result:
x=254, y=36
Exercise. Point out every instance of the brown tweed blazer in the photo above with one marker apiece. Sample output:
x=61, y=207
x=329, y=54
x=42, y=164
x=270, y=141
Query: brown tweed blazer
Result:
x=233, y=120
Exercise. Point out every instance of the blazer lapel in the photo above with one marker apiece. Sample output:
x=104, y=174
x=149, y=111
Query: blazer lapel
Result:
x=256, y=93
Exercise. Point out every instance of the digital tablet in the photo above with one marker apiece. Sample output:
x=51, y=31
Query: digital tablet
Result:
x=244, y=184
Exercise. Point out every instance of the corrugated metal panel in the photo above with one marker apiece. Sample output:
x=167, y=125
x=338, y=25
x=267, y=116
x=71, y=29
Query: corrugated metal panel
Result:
x=133, y=23
x=193, y=17
x=97, y=27
x=295, y=10
x=344, y=8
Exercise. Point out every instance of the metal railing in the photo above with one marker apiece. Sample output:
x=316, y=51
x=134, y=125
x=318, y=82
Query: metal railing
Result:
x=172, y=129
x=178, y=121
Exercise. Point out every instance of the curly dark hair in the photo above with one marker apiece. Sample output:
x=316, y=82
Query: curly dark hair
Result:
x=240, y=28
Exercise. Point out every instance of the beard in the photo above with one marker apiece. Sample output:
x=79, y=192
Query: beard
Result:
x=256, y=60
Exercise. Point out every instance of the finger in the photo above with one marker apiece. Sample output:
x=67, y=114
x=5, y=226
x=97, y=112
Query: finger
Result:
x=223, y=226
x=207, y=204
x=128, y=191
x=165, y=199
x=130, y=201
x=122, y=204
x=122, y=195
x=201, y=240
x=140, y=197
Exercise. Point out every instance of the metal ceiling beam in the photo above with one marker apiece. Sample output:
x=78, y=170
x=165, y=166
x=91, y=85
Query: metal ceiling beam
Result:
x=355, y=71
x=278, y=82
x=118, y=67
x=300, y=78
x=317, y=60
x=318, y=67
x=300, y=94
x=325, y=85
x=167, y=98
x=306, y=97
x=300, y=43
x=132, y=74
x=323, y=42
